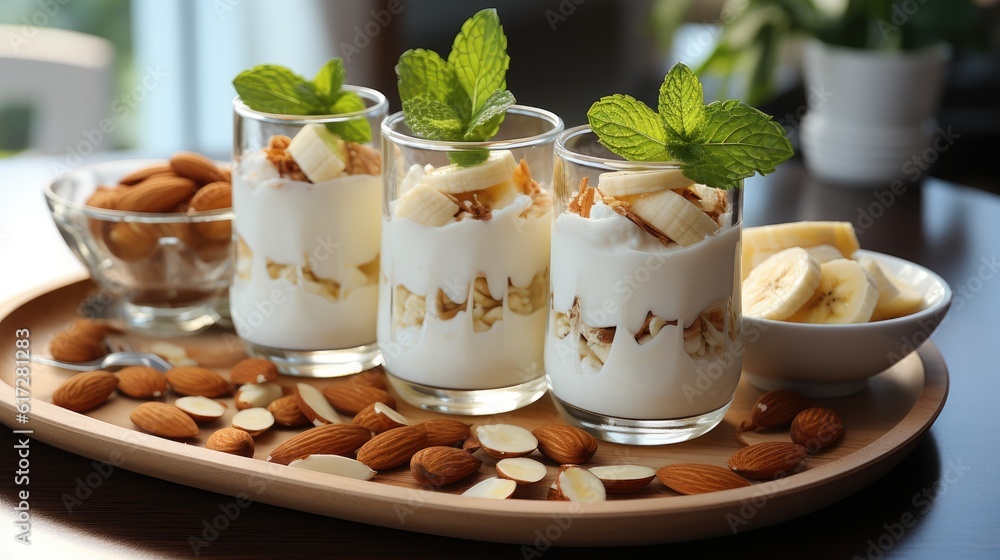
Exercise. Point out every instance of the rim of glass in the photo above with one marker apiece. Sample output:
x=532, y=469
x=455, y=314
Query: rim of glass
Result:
x=444, y=146
x=595, y=161
x=380, y=107
x=109, y=215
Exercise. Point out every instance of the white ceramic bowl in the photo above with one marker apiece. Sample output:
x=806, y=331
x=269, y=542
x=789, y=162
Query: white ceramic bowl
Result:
x=837, y=360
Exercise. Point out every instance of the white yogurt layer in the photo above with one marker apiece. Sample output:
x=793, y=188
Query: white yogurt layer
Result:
x=306, y=258
x=620, y=273
x=449, y=353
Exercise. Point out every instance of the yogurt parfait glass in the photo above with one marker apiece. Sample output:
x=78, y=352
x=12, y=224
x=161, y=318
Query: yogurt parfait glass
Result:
x=643, y=341
x=464, y=285
x=306, y=235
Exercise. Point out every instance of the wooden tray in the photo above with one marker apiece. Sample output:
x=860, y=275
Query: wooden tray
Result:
x=884, y=423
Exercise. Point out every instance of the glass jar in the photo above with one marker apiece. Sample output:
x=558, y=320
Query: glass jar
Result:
x=305, y=285
x=465, y=257
x=643, y=342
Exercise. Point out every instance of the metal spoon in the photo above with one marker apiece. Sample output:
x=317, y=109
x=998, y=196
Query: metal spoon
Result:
x=114, y=359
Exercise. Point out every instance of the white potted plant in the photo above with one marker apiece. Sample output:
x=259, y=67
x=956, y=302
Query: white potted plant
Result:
x=873, y=73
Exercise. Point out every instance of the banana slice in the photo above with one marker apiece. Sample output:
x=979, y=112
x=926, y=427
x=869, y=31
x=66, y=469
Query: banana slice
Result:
x=453, y=179
x=781, y=285
x=426, y=205
x=624, y=183
x=846, y=294
x=759, y=242
x=675, y=216
x=712, y=200
x=895, y=297
x=822, y=254
x=320, y=153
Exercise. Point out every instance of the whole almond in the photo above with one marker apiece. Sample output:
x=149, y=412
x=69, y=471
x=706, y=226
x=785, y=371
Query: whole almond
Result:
x=231, y=440
x=471, y=444
x=379, y=418
x=141, y=175
x=328, y=439
x=164, y=420
x=286, y=412
x=691, y=478
x=197, y=381
x=142, y=382
x=196, y=167
x=775, y=409
x=816, y=428
x=353, y=398
x=253, y=370
x=372, y=378
x=565, y=444
x=768, y=459
x=214, y=196
x=394, y=448
x=132, y=241
x=104, y=197
x=85, y=391
x=441, y=465
x=445, y=431
x=90, y=328
x=75, y=346
x=157, y=194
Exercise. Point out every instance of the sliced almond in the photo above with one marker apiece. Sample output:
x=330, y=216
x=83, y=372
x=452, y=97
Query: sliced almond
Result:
x=624, y=479
x=314, y=405
x=506, y=440
x=492, y=488
x=201, y=409
x=576, y=484
x=379, y=417
x=521, y=470
x=257, y=395
x=253, y=421
x=336, y=465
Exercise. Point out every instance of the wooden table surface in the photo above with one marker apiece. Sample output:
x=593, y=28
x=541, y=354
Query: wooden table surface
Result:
x=943, y=501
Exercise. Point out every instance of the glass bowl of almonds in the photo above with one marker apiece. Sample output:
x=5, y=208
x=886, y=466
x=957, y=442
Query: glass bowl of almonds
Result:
x=156, y=234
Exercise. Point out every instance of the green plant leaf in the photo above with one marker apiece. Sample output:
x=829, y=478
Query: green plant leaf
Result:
x=329, y=79
x=479, y=58
x=738, y=141
x=423, y=72
x=432, y=119
x=353, y=130
x=486, y=122
x=468, y=158
x=629, y=128
x=275, y=89
x=682, y=103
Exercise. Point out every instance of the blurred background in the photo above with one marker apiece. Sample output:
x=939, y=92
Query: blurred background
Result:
x=158, y=79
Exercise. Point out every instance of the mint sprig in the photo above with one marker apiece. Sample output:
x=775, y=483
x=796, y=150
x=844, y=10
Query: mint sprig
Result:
x=465, y=98
x=718, y=144
x=275, y=89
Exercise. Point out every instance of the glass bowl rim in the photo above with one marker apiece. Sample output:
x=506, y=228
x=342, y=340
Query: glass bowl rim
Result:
x=596, y=161
x=379, y=109
x=411, y=141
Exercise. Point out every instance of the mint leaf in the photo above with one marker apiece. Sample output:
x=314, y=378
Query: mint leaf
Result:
x=469, y=157
x=423, y=72
x=738, y=141
x=486, y=122
x=329, y=79
x=432, y=119
x=479, y=57
x=682, y=103
x=629, y=128
x=353, y=130
x=718, y=144
x=275, y=89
